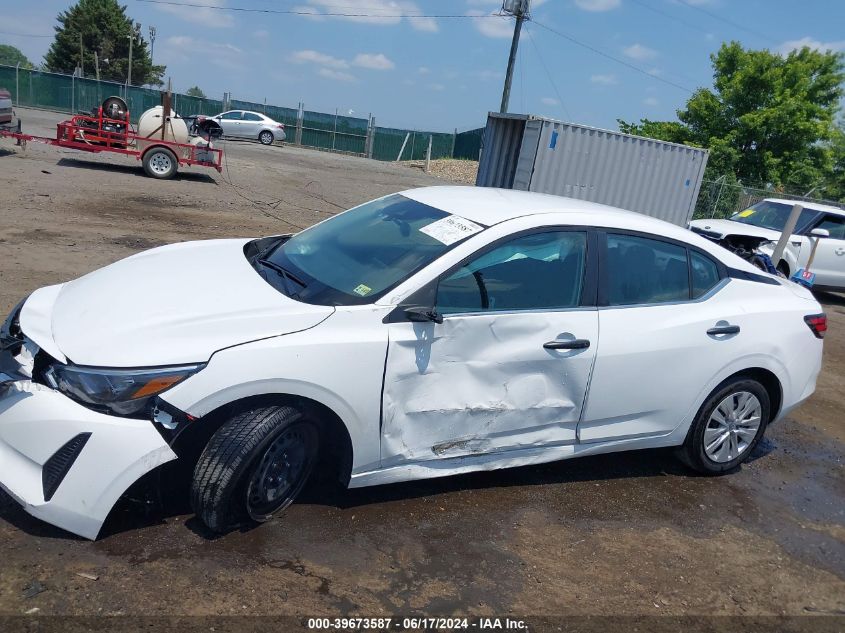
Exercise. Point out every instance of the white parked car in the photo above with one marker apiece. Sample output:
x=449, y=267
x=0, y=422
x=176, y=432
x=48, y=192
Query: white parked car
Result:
x=766, y=219
x=253, y=125
x=433, y=332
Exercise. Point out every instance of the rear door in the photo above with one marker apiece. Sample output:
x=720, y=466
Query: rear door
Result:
x=829, y=262
x=251, y=125
x=661, y=308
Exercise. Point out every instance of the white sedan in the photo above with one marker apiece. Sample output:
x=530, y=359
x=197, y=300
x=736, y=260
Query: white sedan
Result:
x=253, y=125
x=764, y=222
x=433, y=332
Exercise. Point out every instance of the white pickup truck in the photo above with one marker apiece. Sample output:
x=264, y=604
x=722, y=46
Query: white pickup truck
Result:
x=766, y=220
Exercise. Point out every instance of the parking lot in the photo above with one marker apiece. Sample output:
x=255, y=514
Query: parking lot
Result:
x=633, y=534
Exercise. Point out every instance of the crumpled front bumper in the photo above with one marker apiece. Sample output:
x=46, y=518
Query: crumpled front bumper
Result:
x=37, y=421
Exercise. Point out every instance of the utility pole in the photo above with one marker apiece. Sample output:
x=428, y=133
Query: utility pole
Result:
x=81, y=57
x=152, y=42
x=519, y=9
x=129, y=73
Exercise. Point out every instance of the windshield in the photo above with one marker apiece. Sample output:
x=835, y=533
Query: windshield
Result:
x=773, y=215
x=357, y=256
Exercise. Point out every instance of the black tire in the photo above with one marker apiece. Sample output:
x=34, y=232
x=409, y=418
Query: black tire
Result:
x=266, y=137
x=693, y=451
x=160, y=163
x=238, y=463
x=783, y=268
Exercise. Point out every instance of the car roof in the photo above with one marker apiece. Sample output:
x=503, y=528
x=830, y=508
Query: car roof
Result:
x=813, y=206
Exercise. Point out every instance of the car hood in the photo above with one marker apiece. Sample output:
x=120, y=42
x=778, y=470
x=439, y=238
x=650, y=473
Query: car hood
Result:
x=169, y=305
x=729, y=227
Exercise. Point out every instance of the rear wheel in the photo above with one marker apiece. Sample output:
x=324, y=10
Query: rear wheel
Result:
x=254, y=466
x=160, y=163
x=266, y=137
x=728, y=427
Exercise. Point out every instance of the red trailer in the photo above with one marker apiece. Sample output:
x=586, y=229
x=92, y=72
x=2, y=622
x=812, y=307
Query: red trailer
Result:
x=108, y=129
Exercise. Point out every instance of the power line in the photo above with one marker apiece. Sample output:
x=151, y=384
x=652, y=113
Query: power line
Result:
x=25, y=34
x=413, y=16
x=611, y=57
x=666, y=14
x=548, y=74
x=736, y=25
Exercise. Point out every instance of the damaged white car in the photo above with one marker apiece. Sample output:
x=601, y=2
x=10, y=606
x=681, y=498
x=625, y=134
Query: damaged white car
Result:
x=433, y=332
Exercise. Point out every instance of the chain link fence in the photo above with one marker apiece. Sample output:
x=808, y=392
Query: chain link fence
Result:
x=721, y=199
x=326, y=131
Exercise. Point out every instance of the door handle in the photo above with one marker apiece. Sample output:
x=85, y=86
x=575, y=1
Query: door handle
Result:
x=840, y=251
x=578, y=343
x=723, y=329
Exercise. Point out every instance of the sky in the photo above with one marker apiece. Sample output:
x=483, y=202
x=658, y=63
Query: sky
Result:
x=584, y=61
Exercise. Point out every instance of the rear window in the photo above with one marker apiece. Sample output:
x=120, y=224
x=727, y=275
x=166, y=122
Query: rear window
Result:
x=642, y=270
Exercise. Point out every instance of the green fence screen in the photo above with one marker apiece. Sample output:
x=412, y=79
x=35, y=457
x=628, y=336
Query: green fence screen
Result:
x=334, y=132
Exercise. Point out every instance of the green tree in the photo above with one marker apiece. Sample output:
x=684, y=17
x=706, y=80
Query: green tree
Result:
x=101, y=26
x=195, y=91
x=769, y=119
x=834, y=188
x=11, y=56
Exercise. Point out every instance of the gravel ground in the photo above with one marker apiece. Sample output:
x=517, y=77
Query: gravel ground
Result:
x=453, y=170
x=630, y=534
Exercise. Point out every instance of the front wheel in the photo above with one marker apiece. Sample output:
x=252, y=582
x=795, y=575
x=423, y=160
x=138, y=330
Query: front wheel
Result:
x=728, y=427
x=253, y=467
x=266, y=138
x=160, y=163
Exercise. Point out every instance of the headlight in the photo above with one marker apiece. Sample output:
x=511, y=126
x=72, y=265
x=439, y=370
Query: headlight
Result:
x=126, y=392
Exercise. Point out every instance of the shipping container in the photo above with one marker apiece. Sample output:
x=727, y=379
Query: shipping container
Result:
x=533, y=153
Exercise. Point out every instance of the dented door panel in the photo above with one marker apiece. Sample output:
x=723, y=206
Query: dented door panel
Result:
x=484, y=383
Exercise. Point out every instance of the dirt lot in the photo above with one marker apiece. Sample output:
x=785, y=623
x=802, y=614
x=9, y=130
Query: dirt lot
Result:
x=632, y=534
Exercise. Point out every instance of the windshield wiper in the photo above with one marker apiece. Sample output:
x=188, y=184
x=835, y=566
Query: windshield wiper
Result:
x=284, y=274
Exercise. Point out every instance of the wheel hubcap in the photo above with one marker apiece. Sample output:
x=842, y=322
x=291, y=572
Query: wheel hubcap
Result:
x=160, y=163
x=732, y=427
x=279, y=473
x=266, y=138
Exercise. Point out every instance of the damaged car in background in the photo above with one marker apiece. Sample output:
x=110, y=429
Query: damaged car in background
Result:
x=753, y=233
x=433, y=332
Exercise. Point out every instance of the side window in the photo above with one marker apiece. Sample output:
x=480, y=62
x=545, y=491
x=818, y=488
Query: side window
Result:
x=533, y=272
x=705, y=274
x=249, y=116
x=835, y=225
x=641, y=270
x=232, y=116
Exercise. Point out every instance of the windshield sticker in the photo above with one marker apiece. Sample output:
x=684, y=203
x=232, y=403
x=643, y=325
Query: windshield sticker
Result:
x=362, y=290
x=746, y=213
x=451, y=229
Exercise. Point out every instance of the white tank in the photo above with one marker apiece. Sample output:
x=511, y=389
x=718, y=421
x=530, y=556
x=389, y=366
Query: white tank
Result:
x=149, y=126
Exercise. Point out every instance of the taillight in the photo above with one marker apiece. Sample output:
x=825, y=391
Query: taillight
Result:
x=817, y=323
x=282, y=125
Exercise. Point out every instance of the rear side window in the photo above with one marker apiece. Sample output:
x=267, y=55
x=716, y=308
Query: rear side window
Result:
x=642, y=270
x=542, y=271
x=249, y=116
x=705, y=274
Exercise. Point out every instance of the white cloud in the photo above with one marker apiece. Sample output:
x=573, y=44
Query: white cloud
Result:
x=380, y=12
x=597, y=5
x=200, y=16
x=437, y=87
x=489, y=75
x=604, y=80
x=639, y=52
x=651, y=101
x=423, y=70
x=262, y=34
x=794, y=45
x=499, y=26
x=311, y=13
x=315, y=57
x=373, y=61
x=336, y=75
x=549, y=101
x=185, y=47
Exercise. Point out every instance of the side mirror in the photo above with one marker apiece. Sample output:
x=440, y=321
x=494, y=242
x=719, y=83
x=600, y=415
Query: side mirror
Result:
x=422, y=314
x=820, y=233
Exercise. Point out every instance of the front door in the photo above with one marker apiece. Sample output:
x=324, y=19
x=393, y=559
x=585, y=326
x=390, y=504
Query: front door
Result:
x=509, y=365
x=829, y=262
x=230, y=122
